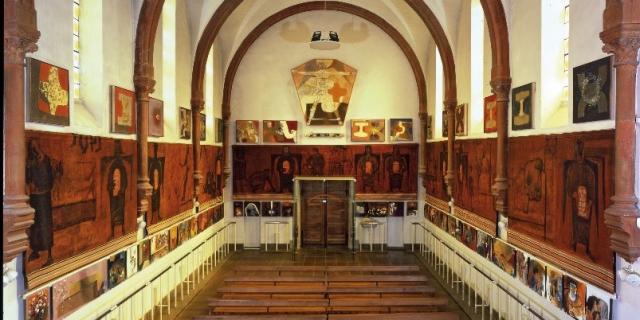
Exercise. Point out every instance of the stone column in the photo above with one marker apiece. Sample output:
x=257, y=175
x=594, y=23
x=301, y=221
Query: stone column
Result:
x=501, y=87
x=621, y=37
x=144, y=83
x=20, y=37
x=450, y=106
x=196, y=108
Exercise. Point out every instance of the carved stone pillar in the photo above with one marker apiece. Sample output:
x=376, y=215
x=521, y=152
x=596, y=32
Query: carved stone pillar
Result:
x=501, y=87
x=621, y=36
x=144, y=83
x=450, y=106
x=196, y=108
x=20, y=37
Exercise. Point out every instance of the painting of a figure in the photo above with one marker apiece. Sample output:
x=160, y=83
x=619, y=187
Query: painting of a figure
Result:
x=156, y=118
x=48, y=93
x=429, y=127
x=314, y=164
x=468, y=236
x=38, y=304
x=461, y=119
x=591, y=87
x=554, y=287
x=219, y=130
x=117, y=182
x=116, y=269
x=247, y=131
x=132, y=261
x=597, y=306
x=396, y=166
x=185, y=123
x=504, y=256
x=324, y=87
x=144, y=254
x=445, y=124
x=484, y=245
x=238, y=209
x=203, y=126
x=575, y=294
x=286, y=165
x=535, y=276
x=522, y=267
x=287, y=209
x=79, y=289
x=252, y=209
x=173, y=238
x=400, y=130
x=396, y=209
x=123, y=110
x=279, y=131
x=156, y=176
x=490, y=114
x=367, y=170
x=367, y=130
x=522, y=107
x=271, y=208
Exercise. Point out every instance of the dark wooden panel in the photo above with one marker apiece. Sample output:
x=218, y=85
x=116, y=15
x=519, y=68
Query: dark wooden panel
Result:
x=436, y=167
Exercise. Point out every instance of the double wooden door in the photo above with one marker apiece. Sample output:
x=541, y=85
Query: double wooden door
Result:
x=324, y=214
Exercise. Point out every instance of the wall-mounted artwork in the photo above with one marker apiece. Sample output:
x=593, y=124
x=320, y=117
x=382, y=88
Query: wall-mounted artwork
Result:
x=522, y=267
x=219, y=130
x=203, y=127
x=324, y=87
x=400, y=130
x=396, y=209
x=48, y=93
x=597, y=305
x=591, y=87
x=247, y=131
x=484, y=247
x=193, y=227
x=367, y=130
x=575, y=295
x=429, y=127
x=555, y=293
x=116, y=269
x=279, y=131
x=287, y=209
x=522, y=107
x=536, y=273
x=412, y=208
x=490, y=114
x=159, y=245
x=144, y=254
x=156, y=117
x=252, y=209
x=238, y=209
x=270, y=209
x=79, y=289
x=132, y=261
x=184, y=232
x=469, y=236
x=462, y=123
x=504, y=256
x=123, y=110
x=185, y=123
x=38, y=304
x=445, y=124
x=173, y=238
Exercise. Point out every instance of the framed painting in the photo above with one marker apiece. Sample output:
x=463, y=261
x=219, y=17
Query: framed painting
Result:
x=287, y=209
x=203, y=127
x=252, y=209
x=574, y=296
x=132, y=261
x=144, y=254
x=483, y=244
x=173, y=238
x=522, y=107
x=429, y=127
x=219, y=130
x=38, y=305
x=400, y=130
x=185, y=123
x=504, y=256
x=367, y=130
x=123, y=110
x=445, y=124
x=156, y=117
x=270, y=209
x=279, y=131
x=536, y=273
x=48, y=97
x=193, y=227
x=396, y=209
x=80, y=288
x=183, y=232
x=522, y=265
x=598, y=304
x=591, y=88
x=412, y=208
x=238, y=208
x=468, y=236
x=247, y=131
x=461, y=119
x=490, y=114
x=116, y=269
x=324, y=87
x=554, y=287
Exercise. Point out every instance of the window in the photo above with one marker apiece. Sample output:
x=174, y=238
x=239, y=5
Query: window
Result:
x=565, y=48
x=76, y=49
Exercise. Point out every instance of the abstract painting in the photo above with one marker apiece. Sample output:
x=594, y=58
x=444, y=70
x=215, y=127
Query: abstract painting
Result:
x=324, y=87
x=535, y=276
x=156, y=118
x=461, y=119
x=219, y=130
x=48, y=93
x=123, y=110
x=591, y=87
x=238, y=209
x=144, y=254
x=38, y=304
x=247, y=131
x=575, y=295
x=132, y=261
x=185, y=123
x=79, y=289
x=522, y=107
x=555, y=293
x=116, y=269
x=490, y=114
x=270, y=209
x=367, y=130
x=203, y=127
x=400, y=130
x=445, y=124
x=483, y=245
x=504, y=256
x=279, y=131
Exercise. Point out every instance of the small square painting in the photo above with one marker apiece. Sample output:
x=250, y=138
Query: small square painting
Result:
x=173, y=238
x=185, y=123
x=132, y=261
x=287, y=209
x=597, y=306
x=522, y=107
x=117, y=269
x=367, y=130
x=591, y=87
x=279, y=131
x=490, y=114
x=521, y=267
x=400, y=130
x=504, y=256
x=536, y=273
x=123, y=110
x=247, y=131
x=554, y=287
x=48, y=93
x=575, y=295
x=468, y=236
x=156, y=118
x=38, y=304
x=461, y=119
x=252, y=209
x=396, y=209
x=270, y=209
x=238, y=209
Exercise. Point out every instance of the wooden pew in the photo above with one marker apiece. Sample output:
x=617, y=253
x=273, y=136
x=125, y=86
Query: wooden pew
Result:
x=396, y=316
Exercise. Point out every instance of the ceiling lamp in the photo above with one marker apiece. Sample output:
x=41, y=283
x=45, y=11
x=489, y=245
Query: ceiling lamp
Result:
x=331, y=43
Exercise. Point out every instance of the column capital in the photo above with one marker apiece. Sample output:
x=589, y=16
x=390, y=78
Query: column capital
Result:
x=501, y=87
x=450, y=103
x=20, y=30
x=143, y=80
x=197, y=105
x=623, y=47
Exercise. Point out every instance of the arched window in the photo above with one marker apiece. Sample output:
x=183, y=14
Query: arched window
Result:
x=76, y=49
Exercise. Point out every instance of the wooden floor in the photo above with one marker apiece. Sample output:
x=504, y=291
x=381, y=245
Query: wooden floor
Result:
x=198, y=304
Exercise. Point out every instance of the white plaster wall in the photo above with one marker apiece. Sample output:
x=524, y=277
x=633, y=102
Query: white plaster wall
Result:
x=384, y=87
x=12, y=303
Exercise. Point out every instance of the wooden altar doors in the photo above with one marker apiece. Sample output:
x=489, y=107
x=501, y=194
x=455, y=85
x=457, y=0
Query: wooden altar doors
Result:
x=324, y=212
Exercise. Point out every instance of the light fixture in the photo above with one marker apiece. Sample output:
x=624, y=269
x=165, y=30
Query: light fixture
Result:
x=331, y=43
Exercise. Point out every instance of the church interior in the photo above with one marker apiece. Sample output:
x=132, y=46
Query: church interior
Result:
x=484, y=162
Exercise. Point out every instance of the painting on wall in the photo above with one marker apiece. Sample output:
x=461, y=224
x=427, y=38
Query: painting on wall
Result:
x=173, y=238
x=367, y=130
x=270, y=209
x=184, y=232
x=536, y=273
x=287, y=209
x=193, y=227
x=468, y=236
x=185, y=123
x=123, y=110
x=79, y=289
x=219, y=130
x=445, y=124
x=238, y=209
x=483, y=245
x=522, y=267
x=522, y=107
x=400, y=130
x=555, y=294
x=252, y=209
x=144, y=254
x=324, y=87
x=412, y=208
x=504, y=256
x=48, y=93
x=116, y=269
x=396, y=209
x=203, y=127
x=597, y=305
x=247, y=131
x=38, y=304
x=429, y=127
x=591, y=87
x=156, y=117
x=461, y=119
x=575, y=294
x=490, y=114
x=132, y=261
x=279, y=131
